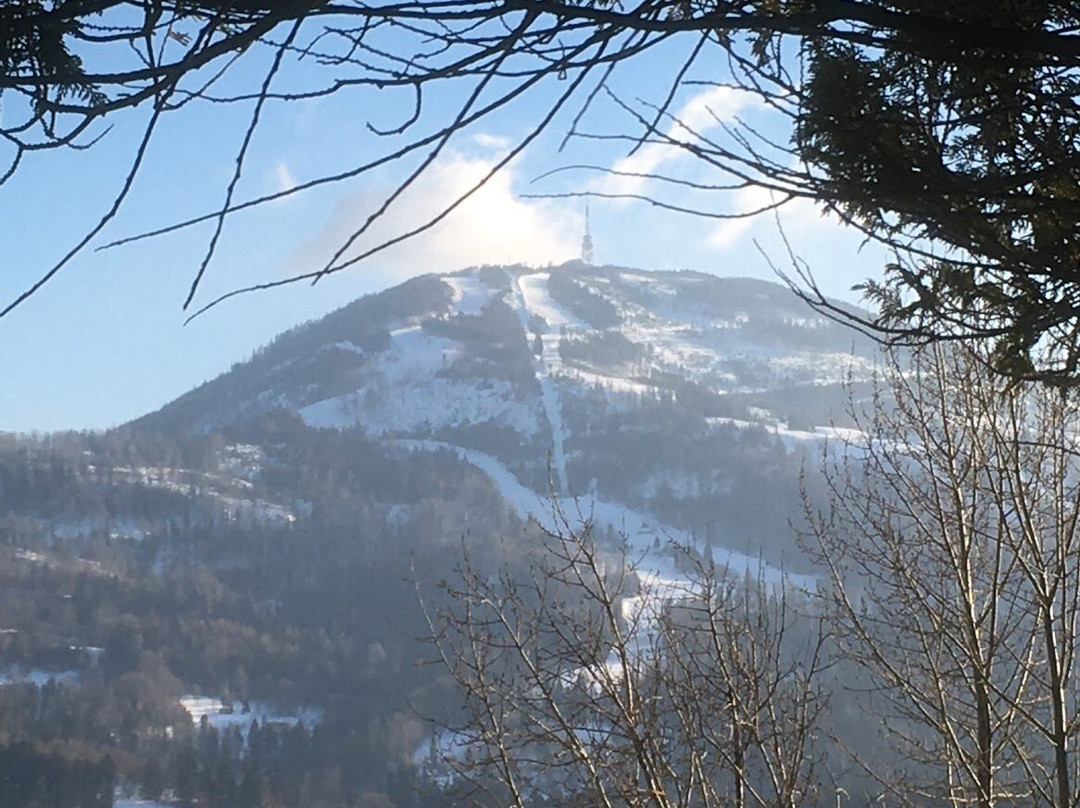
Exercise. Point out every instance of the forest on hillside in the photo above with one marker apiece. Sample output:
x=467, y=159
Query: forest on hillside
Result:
x=121, y=595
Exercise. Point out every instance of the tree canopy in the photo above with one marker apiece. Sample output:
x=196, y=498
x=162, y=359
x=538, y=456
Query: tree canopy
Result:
x=945, y=130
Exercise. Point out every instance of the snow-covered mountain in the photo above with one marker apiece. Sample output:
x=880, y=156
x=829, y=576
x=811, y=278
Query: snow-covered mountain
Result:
x=686, y=398
x=259, y=540
x=495, y=344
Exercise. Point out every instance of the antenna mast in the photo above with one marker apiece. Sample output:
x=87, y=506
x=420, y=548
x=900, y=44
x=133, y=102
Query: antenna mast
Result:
x=586, y=242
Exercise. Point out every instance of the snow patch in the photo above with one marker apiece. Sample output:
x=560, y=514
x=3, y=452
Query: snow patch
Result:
x=649, y=285
x=470, y=294
x=537, y=300
x=406, y=392
x=346, y=345
x=228, y=492
x=610, y=384
x=222, y=716
x=531, y=299
x=428, y=403
x=16, y=674
x=642, y=532
x=840, y=437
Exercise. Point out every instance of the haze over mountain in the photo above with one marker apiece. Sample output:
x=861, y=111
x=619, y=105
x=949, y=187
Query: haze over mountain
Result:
x=647, y=389
x=434, y=338
x=255, y=540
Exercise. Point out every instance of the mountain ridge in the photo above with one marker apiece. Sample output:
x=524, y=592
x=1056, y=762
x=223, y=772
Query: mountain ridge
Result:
x=687, y=399
x=364, y=326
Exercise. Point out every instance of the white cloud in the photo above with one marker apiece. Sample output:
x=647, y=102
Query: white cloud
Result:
x=281, y=178
x=729, y=233
x=747, y=201
x=701, y=114
x=698, y=118
x=493, y=142
x=797, y=218
x=493, y=226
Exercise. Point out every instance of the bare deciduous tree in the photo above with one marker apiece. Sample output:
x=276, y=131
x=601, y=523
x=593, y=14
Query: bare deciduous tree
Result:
x=949, y=596
x=953, y=562
x=946, y=131
x=585, y=679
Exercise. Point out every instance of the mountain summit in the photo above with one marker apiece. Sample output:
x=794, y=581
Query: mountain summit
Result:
x=656, y=390
x=504, y=345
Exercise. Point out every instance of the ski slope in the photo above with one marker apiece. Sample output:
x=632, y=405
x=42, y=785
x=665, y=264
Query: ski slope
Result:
x=405, y=390
x=470, y=294
x=641, y=531
x=660, y=581
x=531, y=298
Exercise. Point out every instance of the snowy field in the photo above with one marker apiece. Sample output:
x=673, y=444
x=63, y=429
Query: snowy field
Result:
x=221, y=716
x=470, y=293
x=537, y=300
x=37, y=677
x=406, y=392
x=641, y=530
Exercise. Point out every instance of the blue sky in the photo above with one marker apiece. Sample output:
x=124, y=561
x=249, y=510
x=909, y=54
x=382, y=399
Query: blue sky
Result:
x=106, y=341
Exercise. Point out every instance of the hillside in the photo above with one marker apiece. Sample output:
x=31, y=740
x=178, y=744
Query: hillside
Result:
x=689, y=397
x=227, y=587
